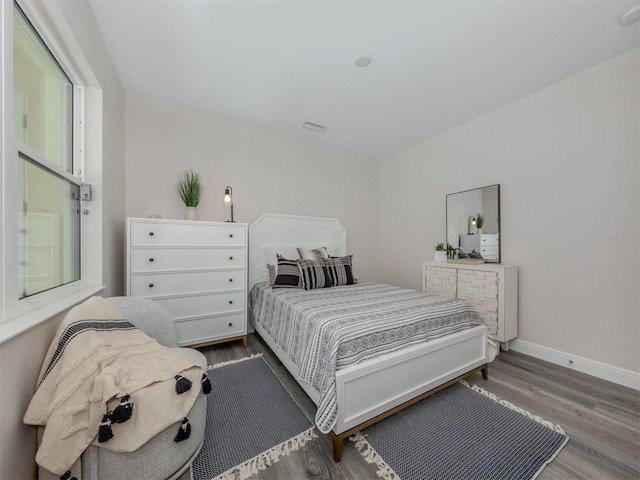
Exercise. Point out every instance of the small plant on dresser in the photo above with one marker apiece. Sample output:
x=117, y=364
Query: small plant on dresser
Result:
x=189, y=188
x=440, y=254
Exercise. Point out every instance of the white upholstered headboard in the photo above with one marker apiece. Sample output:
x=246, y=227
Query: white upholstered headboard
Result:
x=272, y=232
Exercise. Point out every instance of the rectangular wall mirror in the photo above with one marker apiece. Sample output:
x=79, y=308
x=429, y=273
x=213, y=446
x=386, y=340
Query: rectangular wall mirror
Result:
x=473, y=221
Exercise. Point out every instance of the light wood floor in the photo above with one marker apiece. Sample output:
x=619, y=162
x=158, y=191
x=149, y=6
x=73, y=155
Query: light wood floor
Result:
x=602, y=419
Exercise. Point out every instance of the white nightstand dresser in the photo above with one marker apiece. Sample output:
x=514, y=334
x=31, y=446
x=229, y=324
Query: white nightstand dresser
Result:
x=486, y=244
x=196, y=270
x=492, y=288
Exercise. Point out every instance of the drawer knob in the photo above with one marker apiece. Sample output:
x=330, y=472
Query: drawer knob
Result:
x=151, y=259
x=151, y=285
x=151, y=234
x=231, y=258
x=230, y=302
x=230, y=324
x=231, y=235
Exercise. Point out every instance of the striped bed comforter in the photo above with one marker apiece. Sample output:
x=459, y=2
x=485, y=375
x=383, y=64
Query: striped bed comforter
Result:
x=327, y=329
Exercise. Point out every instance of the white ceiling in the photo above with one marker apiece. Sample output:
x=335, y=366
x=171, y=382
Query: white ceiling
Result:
x=276, y=64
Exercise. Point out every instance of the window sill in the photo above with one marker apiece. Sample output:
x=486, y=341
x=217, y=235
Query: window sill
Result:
x=21, y=324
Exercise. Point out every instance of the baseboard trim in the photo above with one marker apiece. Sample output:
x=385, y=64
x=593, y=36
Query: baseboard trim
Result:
x=591, y=367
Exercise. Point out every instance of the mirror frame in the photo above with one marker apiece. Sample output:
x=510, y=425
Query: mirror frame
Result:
x=446, y=218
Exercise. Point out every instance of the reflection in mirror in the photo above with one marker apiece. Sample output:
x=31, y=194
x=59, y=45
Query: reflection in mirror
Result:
x=473, y=221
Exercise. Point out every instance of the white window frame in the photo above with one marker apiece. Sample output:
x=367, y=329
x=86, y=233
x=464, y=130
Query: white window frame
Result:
x=17, y=315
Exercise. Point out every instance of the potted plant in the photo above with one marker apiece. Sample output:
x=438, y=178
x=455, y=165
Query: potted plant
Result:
x=189, y=189
x=479, y=223
x=451, y=251
x=440, y=254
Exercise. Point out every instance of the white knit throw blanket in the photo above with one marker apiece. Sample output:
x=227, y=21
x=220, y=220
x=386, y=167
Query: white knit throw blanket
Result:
x=95, y=360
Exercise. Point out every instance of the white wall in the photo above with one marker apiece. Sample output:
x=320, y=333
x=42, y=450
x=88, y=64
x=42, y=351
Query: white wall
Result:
x=567, y=160
x=22, y=356
x=268, y=173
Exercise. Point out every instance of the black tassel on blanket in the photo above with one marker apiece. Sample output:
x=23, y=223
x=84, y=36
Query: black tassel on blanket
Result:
x=182, y=384
x=206, y=384
x=122, y=412
x=67, y=476
x=183, y=431
x=105, y=433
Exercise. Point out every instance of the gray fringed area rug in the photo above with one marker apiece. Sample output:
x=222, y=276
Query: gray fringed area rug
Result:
x=251, y=421
x=461, y=432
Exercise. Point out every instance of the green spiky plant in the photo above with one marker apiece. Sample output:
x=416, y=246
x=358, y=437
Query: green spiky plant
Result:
x=479, y=220
x=189, y=187
x=440, y=247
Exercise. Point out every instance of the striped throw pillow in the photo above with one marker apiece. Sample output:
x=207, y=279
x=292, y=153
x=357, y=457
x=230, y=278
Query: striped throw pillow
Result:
x=340, y=270
x=288, y=274
x=314, y=274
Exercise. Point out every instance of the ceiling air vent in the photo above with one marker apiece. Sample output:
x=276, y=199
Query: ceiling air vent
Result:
x=313, y=126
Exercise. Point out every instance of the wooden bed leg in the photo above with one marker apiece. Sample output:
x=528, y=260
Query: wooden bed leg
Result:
x=337, y=447
x=245, y=341
x=485, y=372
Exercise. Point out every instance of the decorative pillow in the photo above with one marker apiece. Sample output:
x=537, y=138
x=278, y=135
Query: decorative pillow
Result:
x=271, y=253
x=288, y=274
x=340, y=270
x=272, y=273
x=315, y=254
x=314, y=274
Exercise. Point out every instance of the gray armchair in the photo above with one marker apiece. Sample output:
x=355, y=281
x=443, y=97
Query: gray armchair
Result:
x=161, y=457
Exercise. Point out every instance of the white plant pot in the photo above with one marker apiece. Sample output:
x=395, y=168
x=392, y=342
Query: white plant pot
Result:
x=440, y=256
x=191, y=213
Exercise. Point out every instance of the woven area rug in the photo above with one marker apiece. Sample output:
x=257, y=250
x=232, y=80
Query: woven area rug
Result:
x=461, y=432
x=251, y=422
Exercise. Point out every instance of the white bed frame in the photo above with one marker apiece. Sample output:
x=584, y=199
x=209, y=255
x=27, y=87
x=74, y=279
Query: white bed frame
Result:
x=377, y=388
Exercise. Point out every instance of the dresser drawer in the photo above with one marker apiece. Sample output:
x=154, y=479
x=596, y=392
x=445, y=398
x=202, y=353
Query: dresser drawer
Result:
x=184, y=234
x=202, y=330
x=199, y=305
x=489, y=252
x=146, y=259
x=489, y=239
x=152, y=284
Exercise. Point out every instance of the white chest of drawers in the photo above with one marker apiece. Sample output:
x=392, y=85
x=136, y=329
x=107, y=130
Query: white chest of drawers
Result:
x=491, y=288
x=486, y=244
x=196, y=270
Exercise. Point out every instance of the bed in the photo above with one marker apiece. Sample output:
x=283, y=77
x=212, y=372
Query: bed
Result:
x=358, y=366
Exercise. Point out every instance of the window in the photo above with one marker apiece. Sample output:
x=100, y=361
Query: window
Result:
x=48, y=190
x=50, y=251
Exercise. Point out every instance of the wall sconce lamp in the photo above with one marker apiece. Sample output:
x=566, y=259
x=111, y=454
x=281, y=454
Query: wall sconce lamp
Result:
x=472, y=226
x=228, y=200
